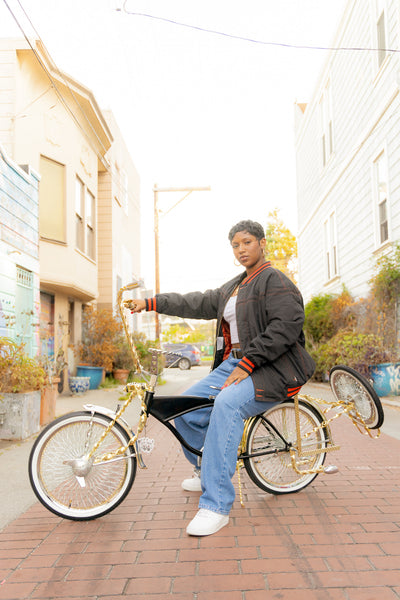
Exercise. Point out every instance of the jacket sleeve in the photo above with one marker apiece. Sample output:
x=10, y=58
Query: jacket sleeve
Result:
x=195, y=305
x=285, y=318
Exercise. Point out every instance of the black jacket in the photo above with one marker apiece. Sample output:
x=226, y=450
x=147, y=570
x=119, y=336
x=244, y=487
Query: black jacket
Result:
x=270, y=317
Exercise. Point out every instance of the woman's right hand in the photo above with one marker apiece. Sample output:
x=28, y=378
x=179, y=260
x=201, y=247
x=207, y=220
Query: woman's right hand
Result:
x=137, y=306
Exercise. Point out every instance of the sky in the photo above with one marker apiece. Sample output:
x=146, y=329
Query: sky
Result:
x=196, y=108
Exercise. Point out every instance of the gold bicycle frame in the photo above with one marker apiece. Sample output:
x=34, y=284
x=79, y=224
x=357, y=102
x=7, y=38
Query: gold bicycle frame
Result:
x=299, y=456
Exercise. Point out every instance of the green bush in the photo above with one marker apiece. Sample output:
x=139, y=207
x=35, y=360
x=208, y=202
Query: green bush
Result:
x=355, y=350
x=319, y=324
x=142, y=348
x=385, y=284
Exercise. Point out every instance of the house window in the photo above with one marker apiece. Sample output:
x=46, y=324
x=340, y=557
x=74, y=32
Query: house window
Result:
x=79, y=214
x=24, y=332
x=331, y=261
x=325, y=108
x=117, y=179
x=52, y=200
x=89, y=213
x=381, y=30
x=85, y=219
x=124, y=191
x=381, y=194
x=121, y=187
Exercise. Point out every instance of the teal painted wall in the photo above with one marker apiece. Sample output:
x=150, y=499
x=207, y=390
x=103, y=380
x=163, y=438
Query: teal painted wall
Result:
x=19, y=253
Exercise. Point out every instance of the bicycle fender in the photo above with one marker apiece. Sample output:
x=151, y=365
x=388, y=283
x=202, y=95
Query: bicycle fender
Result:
x=107, y=412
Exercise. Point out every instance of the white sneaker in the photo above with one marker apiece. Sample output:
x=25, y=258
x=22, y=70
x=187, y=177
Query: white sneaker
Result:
x=192, y=484
x=206, y=522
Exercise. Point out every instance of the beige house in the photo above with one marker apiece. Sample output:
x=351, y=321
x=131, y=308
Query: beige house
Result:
x=89, y=201
x=118, y=220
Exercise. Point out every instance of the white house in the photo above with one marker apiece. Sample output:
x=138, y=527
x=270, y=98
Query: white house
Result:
x=348, y=154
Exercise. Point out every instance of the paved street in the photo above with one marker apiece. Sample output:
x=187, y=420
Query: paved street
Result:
x=337, y=540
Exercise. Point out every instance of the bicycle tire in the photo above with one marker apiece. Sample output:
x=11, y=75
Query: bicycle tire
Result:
x=347, y=386
x=274, y=472
x=54, y=483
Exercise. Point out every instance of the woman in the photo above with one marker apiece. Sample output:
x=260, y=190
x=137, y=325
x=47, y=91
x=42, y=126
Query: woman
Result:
x=260, y=360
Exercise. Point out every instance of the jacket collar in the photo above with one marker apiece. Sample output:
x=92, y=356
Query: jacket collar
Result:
x=256, y=273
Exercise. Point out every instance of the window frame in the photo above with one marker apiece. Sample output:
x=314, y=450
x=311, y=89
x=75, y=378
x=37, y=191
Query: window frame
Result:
x=90, y=207
x=331, y=258
x=326, y=123
x=85, y=219
x=124, y=191
x=380, y=26
x=79, y=214
x=59, y=237
x=381, y=198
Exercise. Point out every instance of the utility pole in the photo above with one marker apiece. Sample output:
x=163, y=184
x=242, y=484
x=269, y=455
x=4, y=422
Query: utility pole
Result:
x=156, y=189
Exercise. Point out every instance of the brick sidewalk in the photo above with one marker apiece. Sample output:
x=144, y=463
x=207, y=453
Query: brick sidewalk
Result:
x=337, y=540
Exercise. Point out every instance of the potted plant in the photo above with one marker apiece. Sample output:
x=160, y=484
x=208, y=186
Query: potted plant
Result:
x=123, y=362
x=21, y=381
x=101, y=332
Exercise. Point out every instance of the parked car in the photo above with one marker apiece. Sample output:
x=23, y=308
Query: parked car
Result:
x=190, y=356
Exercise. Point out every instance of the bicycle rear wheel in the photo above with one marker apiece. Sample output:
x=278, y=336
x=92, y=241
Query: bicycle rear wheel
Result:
x=350, y=386
x=274, y=472
x=92, y=490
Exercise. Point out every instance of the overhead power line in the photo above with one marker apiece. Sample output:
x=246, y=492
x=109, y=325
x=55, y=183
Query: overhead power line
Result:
x=252, y=40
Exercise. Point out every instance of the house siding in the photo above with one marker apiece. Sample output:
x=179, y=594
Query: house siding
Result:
x=365, y=104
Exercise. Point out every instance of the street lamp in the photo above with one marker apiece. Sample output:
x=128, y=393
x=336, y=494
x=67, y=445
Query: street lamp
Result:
x=156, y=189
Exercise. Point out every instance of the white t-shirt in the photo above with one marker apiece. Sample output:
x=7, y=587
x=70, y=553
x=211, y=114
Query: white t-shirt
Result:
x=230, y=317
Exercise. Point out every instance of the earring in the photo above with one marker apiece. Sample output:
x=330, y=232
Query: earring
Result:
x=234, y=262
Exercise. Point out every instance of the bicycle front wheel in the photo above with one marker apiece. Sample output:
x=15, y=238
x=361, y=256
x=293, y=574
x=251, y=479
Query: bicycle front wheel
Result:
x=273, y=432
x=69, y=484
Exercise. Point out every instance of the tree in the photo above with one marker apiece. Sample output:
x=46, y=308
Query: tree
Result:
x=281, y=247
x=202, y=332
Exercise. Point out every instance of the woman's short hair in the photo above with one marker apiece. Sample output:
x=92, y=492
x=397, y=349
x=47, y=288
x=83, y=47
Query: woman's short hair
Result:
x=251, y=227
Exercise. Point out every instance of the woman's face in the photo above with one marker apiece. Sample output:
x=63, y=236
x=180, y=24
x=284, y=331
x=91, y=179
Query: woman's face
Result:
x=248, y=250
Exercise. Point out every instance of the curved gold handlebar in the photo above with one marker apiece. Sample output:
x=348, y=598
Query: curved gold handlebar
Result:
x=122, y=304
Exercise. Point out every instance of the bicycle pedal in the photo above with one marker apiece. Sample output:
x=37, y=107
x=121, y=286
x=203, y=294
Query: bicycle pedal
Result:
x=331, y=469
x=146, y=445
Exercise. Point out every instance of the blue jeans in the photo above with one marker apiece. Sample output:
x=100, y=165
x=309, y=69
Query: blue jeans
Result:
x=219, y=430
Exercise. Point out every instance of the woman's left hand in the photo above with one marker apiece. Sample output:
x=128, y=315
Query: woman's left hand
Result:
x=235, y=377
